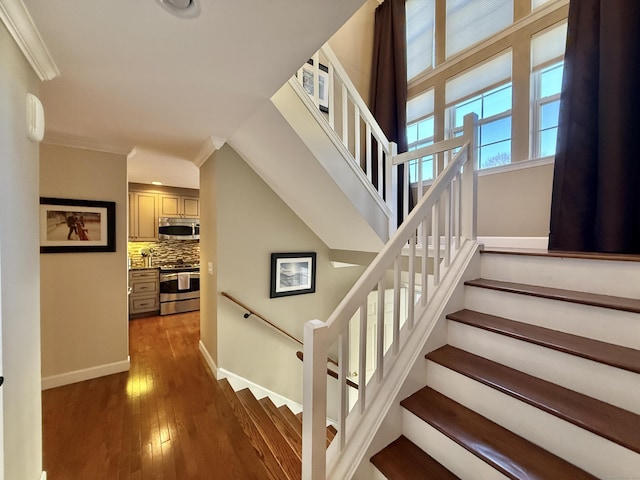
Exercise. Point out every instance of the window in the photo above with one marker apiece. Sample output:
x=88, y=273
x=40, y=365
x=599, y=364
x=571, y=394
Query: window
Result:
x=471, y=21
x=420, y=130
x=420, y=134
x=420, y=32
x=493, y=108
x=547, y=86
x=547, y=50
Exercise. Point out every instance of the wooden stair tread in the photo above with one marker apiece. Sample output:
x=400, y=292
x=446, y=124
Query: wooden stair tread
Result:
x=260, y=446
x=615, y=355
x=293, y=438
x=536, y=252
x=573, y=296
x=403, y=460
x=288, y=460
x=294, y=421
x=608, y=421
x=510, y=454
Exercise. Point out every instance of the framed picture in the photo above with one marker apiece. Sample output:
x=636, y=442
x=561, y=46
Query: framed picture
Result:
x=323, y=83
x=77, y=225
x=292, y=274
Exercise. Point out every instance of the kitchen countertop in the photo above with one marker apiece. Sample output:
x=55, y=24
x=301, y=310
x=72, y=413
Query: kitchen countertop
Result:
x=157, y=267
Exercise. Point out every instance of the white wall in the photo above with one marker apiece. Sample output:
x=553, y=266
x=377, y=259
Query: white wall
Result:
x=84, y=295
x=252, y=222
x=19, y=271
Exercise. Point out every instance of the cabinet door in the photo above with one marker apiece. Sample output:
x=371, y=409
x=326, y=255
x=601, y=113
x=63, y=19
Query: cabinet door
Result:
x=146, y=213
x=170, y=205
x=191, y=207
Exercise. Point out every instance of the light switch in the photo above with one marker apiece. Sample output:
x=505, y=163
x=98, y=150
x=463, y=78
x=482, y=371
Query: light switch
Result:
x=210, y=268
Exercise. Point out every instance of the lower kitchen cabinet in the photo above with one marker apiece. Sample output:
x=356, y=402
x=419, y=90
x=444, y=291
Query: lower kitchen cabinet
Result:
x=144, y=297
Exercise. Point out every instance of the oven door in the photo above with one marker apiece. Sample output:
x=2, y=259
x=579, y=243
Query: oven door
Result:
x=179, y=292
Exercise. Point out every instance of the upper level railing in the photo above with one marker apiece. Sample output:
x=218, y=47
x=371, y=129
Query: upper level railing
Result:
x=349, y=120
x=382, y=349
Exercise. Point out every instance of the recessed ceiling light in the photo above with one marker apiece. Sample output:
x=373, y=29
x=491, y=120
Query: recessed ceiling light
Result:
x=156, y=183
x=181, y=8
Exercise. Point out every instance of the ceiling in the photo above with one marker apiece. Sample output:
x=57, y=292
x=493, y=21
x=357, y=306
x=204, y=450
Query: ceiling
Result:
x=137, y=80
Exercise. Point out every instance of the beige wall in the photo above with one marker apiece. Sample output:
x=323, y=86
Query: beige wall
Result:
x=515, y=203
x=208, y=254
x=250, y=226
x=20, y=398
x=353, y=45
x=84, y=295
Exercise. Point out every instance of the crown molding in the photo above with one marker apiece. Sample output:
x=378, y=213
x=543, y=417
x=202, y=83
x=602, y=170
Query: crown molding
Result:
x=65, y=140
x=210, y=145
x=15, y=16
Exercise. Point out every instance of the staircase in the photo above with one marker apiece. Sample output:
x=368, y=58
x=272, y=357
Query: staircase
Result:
x=540, y=376
x=274, y=432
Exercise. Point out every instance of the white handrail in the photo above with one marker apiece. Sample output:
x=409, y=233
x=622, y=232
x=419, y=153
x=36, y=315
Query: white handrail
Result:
x=455, y=190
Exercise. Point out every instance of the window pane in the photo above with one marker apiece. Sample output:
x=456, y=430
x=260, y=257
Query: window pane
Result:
x=472, y=106
x=420, y=16
x=548, y=140
x=471, y=21
x=495, y=154
x=549, y=114
x=412, y=133
x=425, y=128
x=497, y=102
x=551, y=81
x=495, y=131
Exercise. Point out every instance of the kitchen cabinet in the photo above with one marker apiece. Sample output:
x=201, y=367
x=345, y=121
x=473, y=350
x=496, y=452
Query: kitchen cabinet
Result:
x=144, y=296
x=179, y=206
x=143, y=216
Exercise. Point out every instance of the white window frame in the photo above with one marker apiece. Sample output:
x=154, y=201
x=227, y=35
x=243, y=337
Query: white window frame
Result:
x=456, y=131
x=419, y=164
x=538, y=102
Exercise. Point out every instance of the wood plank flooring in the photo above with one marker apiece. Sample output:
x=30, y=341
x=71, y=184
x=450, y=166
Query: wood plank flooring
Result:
x=166, y=418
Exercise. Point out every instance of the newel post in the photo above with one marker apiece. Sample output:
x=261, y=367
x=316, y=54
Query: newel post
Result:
x=470, y=180
x=314, y=401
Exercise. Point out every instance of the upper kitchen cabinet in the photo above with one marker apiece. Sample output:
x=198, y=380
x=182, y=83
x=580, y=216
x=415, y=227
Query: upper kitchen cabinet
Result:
x=143, y=216
x=179, y=206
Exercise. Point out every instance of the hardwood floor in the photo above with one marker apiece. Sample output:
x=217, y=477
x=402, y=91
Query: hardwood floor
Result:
x=166, y=418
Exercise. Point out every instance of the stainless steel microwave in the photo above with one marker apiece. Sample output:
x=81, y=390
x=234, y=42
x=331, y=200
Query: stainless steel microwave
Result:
x=170, y=228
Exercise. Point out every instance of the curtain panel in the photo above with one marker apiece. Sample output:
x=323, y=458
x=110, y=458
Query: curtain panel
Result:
x=595, y=203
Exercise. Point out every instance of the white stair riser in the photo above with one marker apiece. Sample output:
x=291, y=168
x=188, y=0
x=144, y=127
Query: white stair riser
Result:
x=597, y=455
x=448, y=453
x=377, y=475
x=604, y=324
x=604, y=277
x=612, y=385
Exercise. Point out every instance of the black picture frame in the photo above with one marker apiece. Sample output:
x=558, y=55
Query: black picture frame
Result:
x=292, y=273
x=323, y=83
x=71, y=225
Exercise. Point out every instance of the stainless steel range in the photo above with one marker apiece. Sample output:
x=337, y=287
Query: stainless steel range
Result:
x=179, y=288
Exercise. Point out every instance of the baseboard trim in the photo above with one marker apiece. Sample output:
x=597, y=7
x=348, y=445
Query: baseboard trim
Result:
x=54, y=381
x=43, y=476
x=238, y=383
x=515, y=242
x=208, y=359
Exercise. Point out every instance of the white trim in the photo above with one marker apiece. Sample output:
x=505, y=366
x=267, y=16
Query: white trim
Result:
x=210, y=145
x=238, y=383
x=16, y=17
x=521, y=165
x=65, y=140
x=208, y=359
x=515, y=242
x=43, y=476
x=85, y=374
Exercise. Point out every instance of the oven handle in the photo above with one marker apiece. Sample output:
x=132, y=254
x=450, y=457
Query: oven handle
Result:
x=166, y=277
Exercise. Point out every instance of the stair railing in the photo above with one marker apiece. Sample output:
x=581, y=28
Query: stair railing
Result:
x=429, y=273
x=325, y=83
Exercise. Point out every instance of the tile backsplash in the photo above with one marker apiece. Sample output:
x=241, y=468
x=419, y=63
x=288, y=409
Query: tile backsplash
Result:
x=165, y=252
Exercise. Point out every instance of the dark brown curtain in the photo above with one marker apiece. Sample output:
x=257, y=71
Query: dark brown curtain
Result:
x=595, y=204
x=389, y=78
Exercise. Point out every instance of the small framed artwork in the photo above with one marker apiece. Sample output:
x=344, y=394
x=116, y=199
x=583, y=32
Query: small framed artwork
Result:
x=68, y=225
x=292, y=274
x=323, y=83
